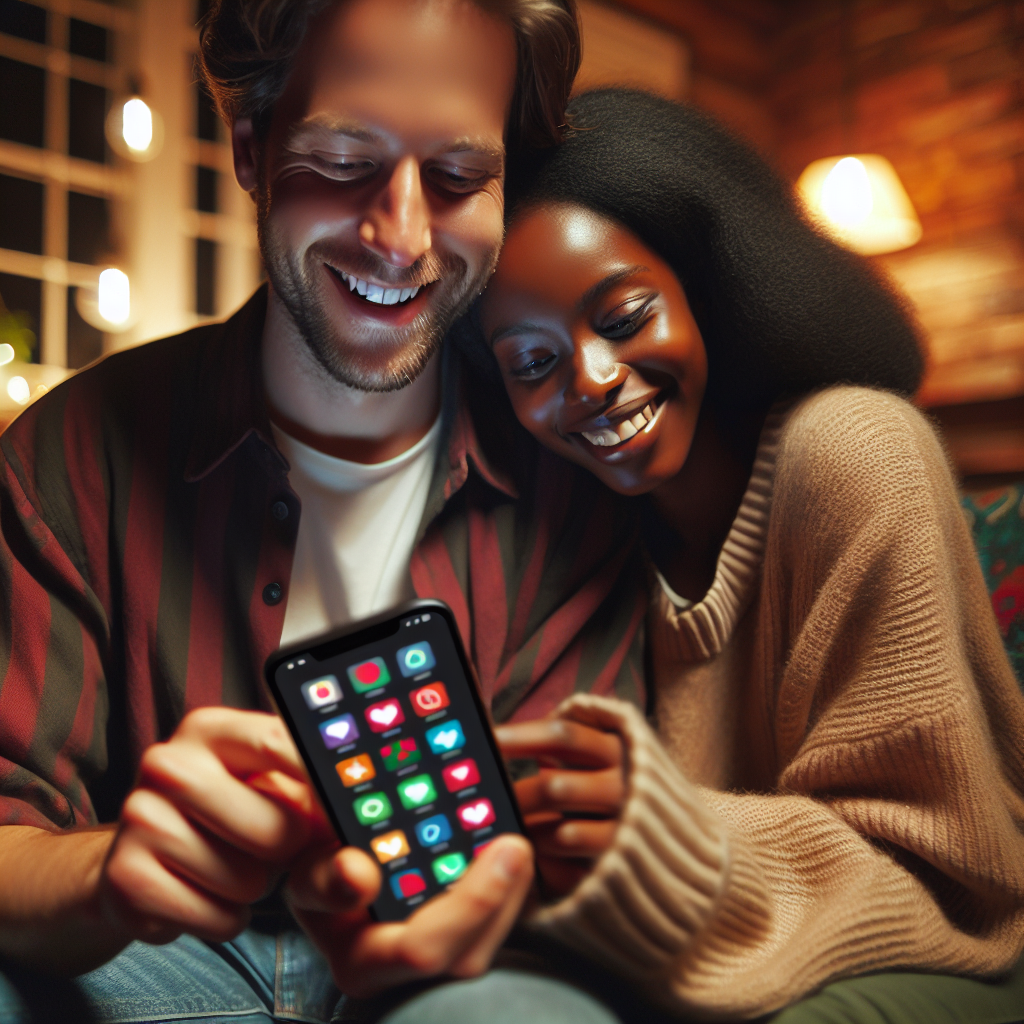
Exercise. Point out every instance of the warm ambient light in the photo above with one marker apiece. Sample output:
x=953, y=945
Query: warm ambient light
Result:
x=17, y=388
x=114, y=296
x=861, y=201
x=6, y=353
x=137, y=125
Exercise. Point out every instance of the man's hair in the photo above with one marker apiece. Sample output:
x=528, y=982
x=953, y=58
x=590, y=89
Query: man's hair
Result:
x=246, y=49
x=781, y=308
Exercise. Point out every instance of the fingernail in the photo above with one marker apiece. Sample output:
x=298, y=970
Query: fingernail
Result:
x=508, y=862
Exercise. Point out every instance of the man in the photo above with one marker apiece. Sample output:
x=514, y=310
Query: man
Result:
x=171, y=513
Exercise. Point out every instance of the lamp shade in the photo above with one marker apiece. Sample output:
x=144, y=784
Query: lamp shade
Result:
x=861, y=202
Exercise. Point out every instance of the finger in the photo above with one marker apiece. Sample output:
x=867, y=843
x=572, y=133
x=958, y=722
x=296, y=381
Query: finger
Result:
x=573, y=839
x=244, y=741
x=298, y=797
x=596, y=792
x=561, y=740
x=329, y=880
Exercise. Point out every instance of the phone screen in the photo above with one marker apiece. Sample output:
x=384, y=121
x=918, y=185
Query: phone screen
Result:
x=396, y=739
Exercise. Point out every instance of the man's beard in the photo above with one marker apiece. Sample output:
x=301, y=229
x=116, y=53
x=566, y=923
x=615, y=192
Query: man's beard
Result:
x=391, y=357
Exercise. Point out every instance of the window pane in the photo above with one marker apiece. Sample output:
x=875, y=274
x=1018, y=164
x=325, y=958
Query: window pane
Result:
x=207, y=120
x=23, y=88
x=206, y=189
x=21, y=214
x=85, y=342
x=88, y=228
x=87, y=40
x=26, y=21
x=87, y=108
x=21, y=301
x=206, y=277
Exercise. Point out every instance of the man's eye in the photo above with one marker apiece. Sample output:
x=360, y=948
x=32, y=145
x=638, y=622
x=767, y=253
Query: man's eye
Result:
x=532, y=366
x=457, y=179
x=342, y=169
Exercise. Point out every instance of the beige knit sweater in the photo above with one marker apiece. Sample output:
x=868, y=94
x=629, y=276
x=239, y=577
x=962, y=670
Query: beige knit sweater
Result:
x=838, y=786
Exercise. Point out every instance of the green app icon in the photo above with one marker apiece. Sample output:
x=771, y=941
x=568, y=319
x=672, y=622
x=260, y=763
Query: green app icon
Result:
x=400, y=753
x=449, y=867
x=416, y=792
x=372, y=808
x=368, y=675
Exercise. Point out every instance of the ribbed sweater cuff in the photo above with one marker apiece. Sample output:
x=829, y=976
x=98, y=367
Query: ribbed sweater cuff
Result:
x=651, y=898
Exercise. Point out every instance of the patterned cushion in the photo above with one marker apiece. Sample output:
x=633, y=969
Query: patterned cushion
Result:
x=997, y=520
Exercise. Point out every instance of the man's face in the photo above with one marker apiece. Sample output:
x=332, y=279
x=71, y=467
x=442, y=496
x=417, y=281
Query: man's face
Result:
x=380, y=181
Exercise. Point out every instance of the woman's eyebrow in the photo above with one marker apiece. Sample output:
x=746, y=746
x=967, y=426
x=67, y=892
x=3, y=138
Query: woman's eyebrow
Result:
x=523, y=327
x=595, y=291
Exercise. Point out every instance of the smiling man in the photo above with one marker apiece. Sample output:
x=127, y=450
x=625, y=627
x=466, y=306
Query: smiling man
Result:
x=173, y=514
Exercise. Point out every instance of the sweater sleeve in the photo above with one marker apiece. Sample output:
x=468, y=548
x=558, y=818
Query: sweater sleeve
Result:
x=889, y=828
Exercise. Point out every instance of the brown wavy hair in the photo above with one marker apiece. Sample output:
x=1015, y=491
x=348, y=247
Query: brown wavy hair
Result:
x=246, y=48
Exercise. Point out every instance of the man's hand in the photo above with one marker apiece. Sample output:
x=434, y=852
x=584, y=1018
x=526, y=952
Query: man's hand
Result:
x=571, y=806
x=456, y=933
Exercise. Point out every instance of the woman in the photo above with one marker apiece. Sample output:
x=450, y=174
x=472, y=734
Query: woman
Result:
x=835, y=785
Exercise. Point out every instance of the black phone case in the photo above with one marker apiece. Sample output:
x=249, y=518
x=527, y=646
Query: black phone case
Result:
x=293, y=666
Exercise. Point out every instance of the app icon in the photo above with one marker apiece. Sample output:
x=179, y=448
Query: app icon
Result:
x=433, y=830
x=415, y=658
x=461, y=774
x=354, y=770
x=443, y=738
x=336, y=732
x=476, y=814
x=390, y=845
x=384, y=715
x=373, y=808
x=368, y=675
x=408, y=883
x=416, y=792
x=321, y=692
x=400, y=753
x=428, y=699
x=449, y=867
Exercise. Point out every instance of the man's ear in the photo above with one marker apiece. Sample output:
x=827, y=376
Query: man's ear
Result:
x=245, y=152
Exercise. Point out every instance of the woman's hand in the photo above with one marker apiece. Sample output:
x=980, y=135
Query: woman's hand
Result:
x=571, y=807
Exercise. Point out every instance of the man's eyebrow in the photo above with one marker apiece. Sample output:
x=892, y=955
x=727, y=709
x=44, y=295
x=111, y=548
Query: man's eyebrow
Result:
x=319, y=125
x=595, y=291
x=485, y=147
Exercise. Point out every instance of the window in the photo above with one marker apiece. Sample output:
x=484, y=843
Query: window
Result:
x=21, y=214
x=26, y=21
x=21, y=301
x=206, y=190
x=208, y=122
x=85, y=342
x=88, y=228
x=206, y=277
x=23, y=88
x=85, y=40
x=87, y=110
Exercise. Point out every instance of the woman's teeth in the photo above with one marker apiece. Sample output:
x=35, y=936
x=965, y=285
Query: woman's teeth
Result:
x=615, y=434
x=377, y=293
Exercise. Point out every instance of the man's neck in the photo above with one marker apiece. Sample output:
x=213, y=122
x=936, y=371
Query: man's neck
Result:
x=312, y=407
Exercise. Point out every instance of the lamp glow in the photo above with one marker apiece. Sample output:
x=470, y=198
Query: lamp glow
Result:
x=6, y=353
x=114, y=296
x=861, y=202
x=18, y=389
x=137, y=125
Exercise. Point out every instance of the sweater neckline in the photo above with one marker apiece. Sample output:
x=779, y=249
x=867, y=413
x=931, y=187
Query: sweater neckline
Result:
x=704, y=628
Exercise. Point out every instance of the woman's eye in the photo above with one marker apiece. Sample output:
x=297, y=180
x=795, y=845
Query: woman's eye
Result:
x=626, y=326
x=531, y=366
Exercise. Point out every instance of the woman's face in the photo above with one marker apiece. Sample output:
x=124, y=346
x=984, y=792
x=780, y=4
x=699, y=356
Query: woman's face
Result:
x=597, y=345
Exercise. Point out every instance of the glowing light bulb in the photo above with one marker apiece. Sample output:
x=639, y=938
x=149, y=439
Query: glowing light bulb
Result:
x=846, y=194
x=114, y=296
x=6, y=353
x=137, y=125
x=18, y=389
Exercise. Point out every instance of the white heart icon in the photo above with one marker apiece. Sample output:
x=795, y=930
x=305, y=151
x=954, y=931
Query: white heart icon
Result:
x=339, y=730
x=475, y=814
x=385, y=715
x=447, y=738
x=390, y=846
x=460, y=773
x=417, y=791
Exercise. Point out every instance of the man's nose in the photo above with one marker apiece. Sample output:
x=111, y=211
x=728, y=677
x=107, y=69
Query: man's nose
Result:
x=397, y=225
x=596, y=373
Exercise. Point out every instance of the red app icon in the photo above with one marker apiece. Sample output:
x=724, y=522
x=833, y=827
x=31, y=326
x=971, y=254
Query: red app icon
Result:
x=460, y=775
x=476, y=814
x=428, y=699
x=384, y=715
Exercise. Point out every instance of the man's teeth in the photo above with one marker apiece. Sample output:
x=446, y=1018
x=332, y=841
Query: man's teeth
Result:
x=607, y=437
x=377, y=293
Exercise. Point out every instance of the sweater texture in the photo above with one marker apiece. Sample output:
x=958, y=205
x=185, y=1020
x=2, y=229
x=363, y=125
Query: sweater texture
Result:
x=836, y=784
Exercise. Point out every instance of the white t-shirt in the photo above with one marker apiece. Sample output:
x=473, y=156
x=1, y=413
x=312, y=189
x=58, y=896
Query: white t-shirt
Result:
x=356, y=533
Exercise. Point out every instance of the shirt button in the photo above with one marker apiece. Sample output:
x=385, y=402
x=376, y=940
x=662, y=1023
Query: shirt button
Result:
x=279, y=510
x=272, y=593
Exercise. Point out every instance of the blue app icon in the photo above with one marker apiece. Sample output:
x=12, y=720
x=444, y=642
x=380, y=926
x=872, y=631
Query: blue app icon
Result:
x=416, y=658
x=432, y=831
x=445, y=737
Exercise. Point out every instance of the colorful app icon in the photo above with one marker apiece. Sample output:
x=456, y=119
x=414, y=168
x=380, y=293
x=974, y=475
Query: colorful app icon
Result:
x=384, y=715
x=408, y=883
x=443, y=738
x=449, y=867
x=354, y=770
x=416, y=792
x=390, y=846
x=372, y=808
x=368, y=675
x=428, y=699
x=432, y=831
x=415, y=658
x=336, y=732
x=460, y=775
x=400, y=753
x=476, y=814
x=321, y=692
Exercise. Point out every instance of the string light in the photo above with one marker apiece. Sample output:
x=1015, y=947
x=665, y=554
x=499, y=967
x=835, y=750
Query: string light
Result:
x=114, y=296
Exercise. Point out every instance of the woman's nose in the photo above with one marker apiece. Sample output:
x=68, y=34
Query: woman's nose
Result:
x=596, y=373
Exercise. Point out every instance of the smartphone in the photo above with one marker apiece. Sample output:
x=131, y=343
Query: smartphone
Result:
x=399, y=746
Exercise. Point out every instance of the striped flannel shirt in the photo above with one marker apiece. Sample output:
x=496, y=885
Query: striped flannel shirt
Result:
x=147, y=531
